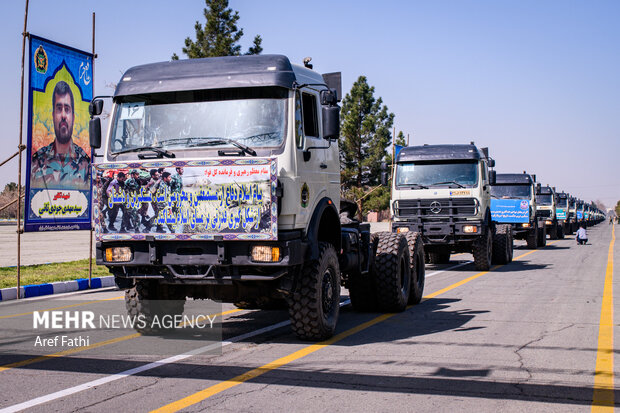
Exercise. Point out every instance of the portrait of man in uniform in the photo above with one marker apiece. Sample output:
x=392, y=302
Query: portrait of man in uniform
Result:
x=62, y=163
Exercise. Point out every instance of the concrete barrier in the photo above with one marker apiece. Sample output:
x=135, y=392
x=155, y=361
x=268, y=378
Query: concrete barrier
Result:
x=59, y=287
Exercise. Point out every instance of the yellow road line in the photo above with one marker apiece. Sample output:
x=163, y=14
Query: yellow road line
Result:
x=23, y=363
x=603, y=397
x=235, y=381
x=63, y=307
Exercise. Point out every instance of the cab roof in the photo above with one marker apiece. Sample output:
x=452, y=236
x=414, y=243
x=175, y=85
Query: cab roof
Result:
x=439, y=153
x=215, y=73
x=521, y=179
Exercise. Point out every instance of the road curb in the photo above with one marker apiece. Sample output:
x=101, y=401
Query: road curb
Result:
x=37, y=290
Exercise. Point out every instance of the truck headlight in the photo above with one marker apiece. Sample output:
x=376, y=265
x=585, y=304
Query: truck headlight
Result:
x=402, y=230
x=470, y=229
x=118, y=254
x=265, y=253
x=547, y=222
x=525, y=225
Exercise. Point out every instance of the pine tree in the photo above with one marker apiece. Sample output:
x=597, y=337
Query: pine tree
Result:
x=220, y=34
x=365, y=131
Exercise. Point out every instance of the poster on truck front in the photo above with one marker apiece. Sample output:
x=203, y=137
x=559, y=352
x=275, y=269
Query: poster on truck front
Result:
x=58, y=178
x=234, y=199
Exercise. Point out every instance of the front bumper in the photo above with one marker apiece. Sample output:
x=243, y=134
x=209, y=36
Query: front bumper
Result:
x=204, y=262
x=443, y=232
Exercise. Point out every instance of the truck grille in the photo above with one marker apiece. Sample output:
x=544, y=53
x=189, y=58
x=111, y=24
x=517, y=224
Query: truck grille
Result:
x=430, y=208
x=543, y=213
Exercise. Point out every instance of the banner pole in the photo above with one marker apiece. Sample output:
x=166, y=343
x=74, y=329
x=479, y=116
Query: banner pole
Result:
x=21, y=148
x=92, y=158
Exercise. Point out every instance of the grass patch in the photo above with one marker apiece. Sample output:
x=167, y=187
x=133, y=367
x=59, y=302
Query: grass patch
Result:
x=46, y=273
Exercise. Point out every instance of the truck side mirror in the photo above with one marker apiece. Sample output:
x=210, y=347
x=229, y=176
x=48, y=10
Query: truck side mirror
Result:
x=331, y=122
x=491, y=163
x=538, y=187
x=384, y=175
x=384, y=178
x=94, y=132
x=95, y=107
x=534, y=177
x=492, y=177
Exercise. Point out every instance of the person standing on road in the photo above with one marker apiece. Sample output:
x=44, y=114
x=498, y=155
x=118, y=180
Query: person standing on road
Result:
x=611, y=220
x=582, y=235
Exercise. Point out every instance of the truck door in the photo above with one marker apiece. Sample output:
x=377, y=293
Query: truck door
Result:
x=312, y=173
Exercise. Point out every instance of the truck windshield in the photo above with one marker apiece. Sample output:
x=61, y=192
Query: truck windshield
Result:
x=562, y=203
x=455, y=174
x=255, y=117
x=511, y=191
x=544, y=199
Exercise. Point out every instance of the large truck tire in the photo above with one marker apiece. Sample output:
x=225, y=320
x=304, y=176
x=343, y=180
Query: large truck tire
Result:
x=439, y=257
x=542, y=236
x=149, y=300
x=532, y=238
x=417, y=269
x=315, y=304
x=362, y=290
x=483, y=251
x=560, y=231
x=392, y=271
x=553, y=233
x=502, y=244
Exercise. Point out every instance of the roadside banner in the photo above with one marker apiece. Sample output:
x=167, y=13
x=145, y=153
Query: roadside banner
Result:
x=510, y=210
x=229, y=199
x=58, y=179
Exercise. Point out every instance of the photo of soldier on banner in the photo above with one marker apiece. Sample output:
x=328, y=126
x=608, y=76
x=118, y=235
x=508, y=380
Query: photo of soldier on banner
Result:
x=58, y=174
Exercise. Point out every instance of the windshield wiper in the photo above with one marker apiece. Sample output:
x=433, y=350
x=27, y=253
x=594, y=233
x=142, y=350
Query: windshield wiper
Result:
x=222, y=141
x=450, y=182
x=415, y=185
x=198, y=141
x=159, y=151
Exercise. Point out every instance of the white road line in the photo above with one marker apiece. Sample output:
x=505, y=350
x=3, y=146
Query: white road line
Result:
x=448, y=269
x=108, y=379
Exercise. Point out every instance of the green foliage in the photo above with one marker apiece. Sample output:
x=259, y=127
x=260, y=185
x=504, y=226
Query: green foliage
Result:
x=45, y=273
x=365, y=135
x=220, y=35
x=365, y=131
x=618, y=209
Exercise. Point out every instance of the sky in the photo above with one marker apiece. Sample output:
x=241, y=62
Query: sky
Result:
x=536, y=82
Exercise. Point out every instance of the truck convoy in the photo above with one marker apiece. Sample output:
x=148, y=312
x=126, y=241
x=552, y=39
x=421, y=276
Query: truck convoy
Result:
x=442, y=192
x=220, y=178
x=514, y=202
x=562, y=213
x=546, y=202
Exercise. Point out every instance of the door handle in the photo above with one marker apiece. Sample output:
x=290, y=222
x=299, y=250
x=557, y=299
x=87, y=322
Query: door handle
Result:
x=323, y=166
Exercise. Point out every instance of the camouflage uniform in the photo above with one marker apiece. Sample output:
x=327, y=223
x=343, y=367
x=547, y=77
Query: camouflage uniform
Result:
x=50, y=169
x=130, y=217
x=161, y=188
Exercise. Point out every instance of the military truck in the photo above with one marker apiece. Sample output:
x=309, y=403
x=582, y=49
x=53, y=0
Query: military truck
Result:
x=243, y=204
x=572, y=215
x=514, y=202
x=442, y=193
x=562, y=214
x=546, y=201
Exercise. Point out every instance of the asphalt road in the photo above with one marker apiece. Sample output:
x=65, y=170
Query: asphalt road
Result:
x=521, y=337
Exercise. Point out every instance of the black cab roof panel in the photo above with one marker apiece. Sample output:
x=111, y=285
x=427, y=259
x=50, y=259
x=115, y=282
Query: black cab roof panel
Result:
x=439, y=153
x=214, y=73
x=522, y=179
